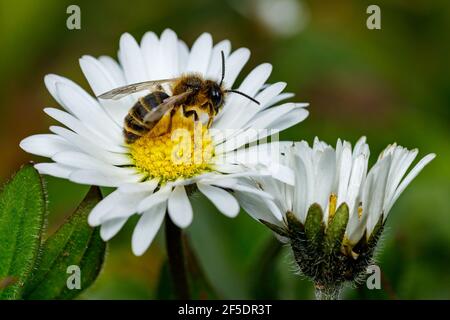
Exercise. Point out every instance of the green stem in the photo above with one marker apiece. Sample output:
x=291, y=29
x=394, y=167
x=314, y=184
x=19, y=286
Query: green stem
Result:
x=176, y=259
x=327, y=292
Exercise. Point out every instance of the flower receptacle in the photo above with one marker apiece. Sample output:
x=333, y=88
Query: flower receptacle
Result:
x=323, y=252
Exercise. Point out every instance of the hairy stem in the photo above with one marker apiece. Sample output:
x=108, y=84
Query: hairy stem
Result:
x=176, y=259
x=327, y=292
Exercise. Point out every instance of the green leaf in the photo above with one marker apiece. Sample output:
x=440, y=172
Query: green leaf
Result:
x=22, y=216
x=74, y=244
x=336, y=229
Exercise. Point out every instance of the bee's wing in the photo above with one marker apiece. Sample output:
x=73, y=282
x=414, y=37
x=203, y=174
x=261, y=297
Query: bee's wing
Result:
x=121, y=92
x=167, y=105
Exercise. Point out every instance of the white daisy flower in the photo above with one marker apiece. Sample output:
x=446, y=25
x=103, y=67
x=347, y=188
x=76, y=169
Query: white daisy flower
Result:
x=334, y=199
x=90, y=147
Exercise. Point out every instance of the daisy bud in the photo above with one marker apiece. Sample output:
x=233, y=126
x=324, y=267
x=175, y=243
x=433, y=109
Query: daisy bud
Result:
x=334, y=215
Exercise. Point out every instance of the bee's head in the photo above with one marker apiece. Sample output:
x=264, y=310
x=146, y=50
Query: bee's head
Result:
x=215, y=94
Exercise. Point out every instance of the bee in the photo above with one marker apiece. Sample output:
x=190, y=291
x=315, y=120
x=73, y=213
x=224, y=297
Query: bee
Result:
x=193, y=98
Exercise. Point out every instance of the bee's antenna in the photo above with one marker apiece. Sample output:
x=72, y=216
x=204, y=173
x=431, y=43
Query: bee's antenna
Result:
x=243, y=94
x=223, y=67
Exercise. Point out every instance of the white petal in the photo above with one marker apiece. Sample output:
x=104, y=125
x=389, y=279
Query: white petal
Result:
x=356, y=226
x=96, y=178
x=401, y=161
x=200, y=54
x=77, y=126
x=344, y=172
x=124, y=208
x=147, y=228
x=235, y=185
x=114, y=70
x=266, y=123
x=116, y=205
x=236, y=105
x=302, y=185
x=265, y=154
x=83, y=161
x=235, y=62
x=131, y=59
x=169, y=52
x=375, y=209
x=103, y=79
x=160, y=196
x=90, y=148
x=179, y=207
x=51, y=80
x=266, y=96
x=146, y=186
x=292, y=117
x=150, y=52
x=255, y=79
x=282, y=173
x=96, y=74
x=183, y=56
x=274, y=208
x=46, y=145
x=88, y=104
x=252, y=109
x=279, y=122
x=54, y=169
x=215, y=66
x=111, y=227
x=103, y=207
x=359, y=146
x=256, y=208
x=324, y=178
x=227, y=168
x=355, y=183
x=407, y=180
x=280, y=97
x=223, y=200
x=87, y=109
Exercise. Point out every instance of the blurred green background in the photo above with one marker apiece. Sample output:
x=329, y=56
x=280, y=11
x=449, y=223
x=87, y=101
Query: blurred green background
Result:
x=391, y=85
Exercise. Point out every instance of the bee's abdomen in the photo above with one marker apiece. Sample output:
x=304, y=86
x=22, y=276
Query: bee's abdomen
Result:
x=154, y=99
x=134, y=126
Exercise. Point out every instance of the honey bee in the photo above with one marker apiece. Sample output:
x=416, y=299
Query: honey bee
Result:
x=193, y=98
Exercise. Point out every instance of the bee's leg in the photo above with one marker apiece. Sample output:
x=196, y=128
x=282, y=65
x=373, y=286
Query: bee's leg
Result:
x=162, y=126
x=183, y=120
x=210, y=120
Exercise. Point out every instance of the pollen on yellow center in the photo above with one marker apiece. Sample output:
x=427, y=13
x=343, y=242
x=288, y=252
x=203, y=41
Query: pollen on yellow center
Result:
x=183, y=152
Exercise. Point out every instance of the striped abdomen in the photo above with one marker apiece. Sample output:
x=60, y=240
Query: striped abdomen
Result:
x=134, y=126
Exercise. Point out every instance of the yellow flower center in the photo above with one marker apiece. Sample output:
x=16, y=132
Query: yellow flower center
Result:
x=184, y=152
